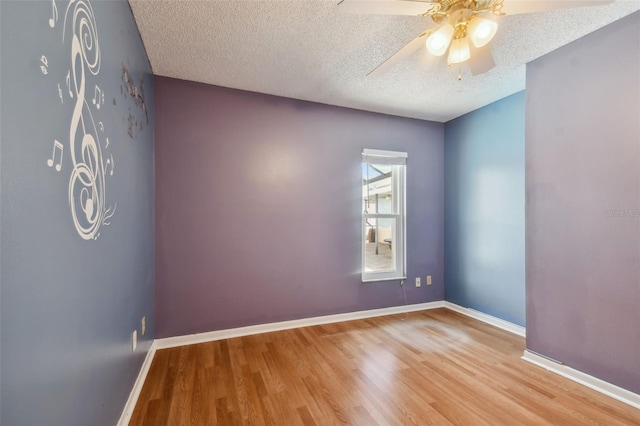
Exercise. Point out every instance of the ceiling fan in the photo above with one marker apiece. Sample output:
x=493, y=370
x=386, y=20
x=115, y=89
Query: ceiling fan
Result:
x=464, y=27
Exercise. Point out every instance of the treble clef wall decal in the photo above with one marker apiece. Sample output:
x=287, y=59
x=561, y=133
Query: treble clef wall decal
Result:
x=87, y=189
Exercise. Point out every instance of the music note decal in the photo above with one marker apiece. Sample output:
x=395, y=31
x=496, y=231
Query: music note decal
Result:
x=98, y=97
x=135, y=92
x=45, y=65
x=110, y=163
x=90, y=164
x=54, y=14
x=57, y=147
x=69, y=84
x=107, y=144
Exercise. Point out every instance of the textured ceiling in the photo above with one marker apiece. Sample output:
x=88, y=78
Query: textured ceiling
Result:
x=306, y=49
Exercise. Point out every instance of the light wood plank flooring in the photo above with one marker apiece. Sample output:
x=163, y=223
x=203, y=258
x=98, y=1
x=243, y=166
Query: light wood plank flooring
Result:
x=433, y=367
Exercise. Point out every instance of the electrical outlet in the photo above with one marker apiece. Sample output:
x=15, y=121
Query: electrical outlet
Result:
x=134, y=340
x=143, y=326
x=418, y=284
x=428, y=279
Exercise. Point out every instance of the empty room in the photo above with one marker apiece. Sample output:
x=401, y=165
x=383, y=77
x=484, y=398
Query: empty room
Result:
x=319, y=212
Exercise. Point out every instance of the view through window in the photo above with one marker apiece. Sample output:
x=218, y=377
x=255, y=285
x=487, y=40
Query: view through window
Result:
x=383, y=201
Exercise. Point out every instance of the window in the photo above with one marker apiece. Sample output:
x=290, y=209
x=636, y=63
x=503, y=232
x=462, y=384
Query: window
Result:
x=383, y=215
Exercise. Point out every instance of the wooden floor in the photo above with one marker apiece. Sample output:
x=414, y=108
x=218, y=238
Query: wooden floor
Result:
x=431, y=367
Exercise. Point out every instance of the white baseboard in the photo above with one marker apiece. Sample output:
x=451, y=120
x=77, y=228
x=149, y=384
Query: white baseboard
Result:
x=599, y=385
x=137, y=387
x=171, y=342
x=496, y=322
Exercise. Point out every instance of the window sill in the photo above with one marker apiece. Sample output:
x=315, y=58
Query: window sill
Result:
x=377, y=280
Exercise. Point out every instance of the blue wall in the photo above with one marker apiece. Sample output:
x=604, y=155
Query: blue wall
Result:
x=76, y=270
x=484, y=210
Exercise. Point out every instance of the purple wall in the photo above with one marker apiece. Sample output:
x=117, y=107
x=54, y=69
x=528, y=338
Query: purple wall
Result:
x=258, y=208
x=583, y=201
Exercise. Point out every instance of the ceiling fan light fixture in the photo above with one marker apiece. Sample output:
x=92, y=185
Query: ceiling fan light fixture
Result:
x=438, y=42
x=459, y=51
x=481, y=31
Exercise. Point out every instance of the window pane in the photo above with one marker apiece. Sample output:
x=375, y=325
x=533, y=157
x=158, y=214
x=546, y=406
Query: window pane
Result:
x=377, y=188
x=383, y=200
x=379, y=253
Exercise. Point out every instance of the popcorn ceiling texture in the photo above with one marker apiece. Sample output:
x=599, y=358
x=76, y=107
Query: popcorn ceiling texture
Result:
x=309, y=50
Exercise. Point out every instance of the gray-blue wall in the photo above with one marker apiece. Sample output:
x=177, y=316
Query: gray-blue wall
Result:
x=583, y=204
x=484, y=210
x=73, y=287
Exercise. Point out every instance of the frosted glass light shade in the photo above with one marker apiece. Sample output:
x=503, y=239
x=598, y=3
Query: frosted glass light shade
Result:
x=459, y=51
x=438, y=42
x=481, y=31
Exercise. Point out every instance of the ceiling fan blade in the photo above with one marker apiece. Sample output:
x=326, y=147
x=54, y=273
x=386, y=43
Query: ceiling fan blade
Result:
x=481, y=60
x=386, y=7
x=401, y=54
x=515, y=7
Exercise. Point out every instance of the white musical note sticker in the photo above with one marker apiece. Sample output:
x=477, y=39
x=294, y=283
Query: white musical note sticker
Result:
x=69, y=84
x=45, y=65
x=54, y=14
x=88, y=163
x=110, y=163
x=57, y=147
x=98, y=97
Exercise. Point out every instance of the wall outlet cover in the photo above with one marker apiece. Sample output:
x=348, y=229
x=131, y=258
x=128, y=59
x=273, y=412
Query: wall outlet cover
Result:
x=134, y=340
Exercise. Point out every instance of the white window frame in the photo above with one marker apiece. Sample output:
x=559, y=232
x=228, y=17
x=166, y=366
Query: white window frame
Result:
x=395, y=158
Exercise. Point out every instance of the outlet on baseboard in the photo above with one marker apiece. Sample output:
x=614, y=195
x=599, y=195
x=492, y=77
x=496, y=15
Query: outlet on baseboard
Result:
x=143, y=325
x=134, y=340
x=428, y=279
